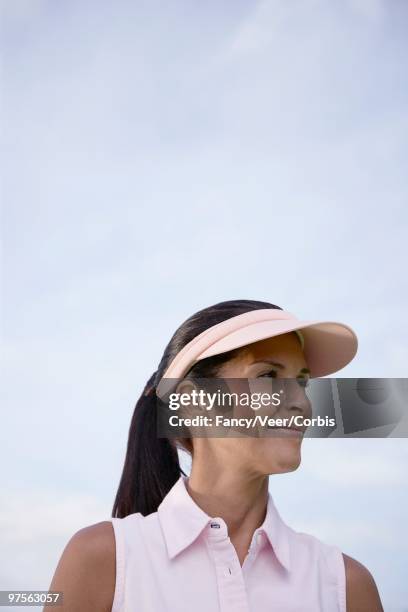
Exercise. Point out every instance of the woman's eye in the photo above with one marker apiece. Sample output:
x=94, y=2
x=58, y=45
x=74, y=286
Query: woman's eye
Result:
x=303, y=382
x=271, y=374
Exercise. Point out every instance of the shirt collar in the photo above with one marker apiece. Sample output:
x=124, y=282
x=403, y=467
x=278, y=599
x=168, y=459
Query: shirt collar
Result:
x=278, y=533
x=182, y=521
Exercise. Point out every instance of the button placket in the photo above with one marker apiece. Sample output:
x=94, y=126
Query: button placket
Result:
x=230, y=579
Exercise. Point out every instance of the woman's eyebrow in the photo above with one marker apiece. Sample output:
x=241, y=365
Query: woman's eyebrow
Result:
x=271, y=362
x=280, y=366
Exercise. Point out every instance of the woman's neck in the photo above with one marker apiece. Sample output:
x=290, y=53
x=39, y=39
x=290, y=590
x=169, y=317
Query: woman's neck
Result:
x=240, y=500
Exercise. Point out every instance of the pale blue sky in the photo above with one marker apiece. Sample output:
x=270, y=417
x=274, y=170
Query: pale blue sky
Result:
x=160, y=157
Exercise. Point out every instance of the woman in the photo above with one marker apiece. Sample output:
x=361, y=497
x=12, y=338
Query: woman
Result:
x=214, y=541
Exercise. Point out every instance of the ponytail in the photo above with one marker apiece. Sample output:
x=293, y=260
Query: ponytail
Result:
x=151, y=465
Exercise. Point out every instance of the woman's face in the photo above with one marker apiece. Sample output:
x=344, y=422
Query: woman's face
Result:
x=275, y=358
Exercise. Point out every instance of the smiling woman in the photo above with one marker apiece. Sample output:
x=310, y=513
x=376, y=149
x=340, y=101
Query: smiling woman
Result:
x=214, y=540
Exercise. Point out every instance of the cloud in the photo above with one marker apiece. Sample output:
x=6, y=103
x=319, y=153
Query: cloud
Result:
x=373, y=10
x=21, y=9
x=271, y=21
x=35, y=526
x=347, y=532
x=357, y=463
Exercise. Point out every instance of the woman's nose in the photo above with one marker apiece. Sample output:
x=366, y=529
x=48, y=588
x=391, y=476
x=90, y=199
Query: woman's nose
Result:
x=296, y=400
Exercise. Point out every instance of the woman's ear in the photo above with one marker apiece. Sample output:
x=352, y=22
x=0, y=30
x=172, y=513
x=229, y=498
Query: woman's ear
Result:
x=187, y=387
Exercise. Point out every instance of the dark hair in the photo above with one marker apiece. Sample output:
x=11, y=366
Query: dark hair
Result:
x=152, y=465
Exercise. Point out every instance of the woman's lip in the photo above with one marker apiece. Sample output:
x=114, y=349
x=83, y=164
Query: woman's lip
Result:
x=289, y=430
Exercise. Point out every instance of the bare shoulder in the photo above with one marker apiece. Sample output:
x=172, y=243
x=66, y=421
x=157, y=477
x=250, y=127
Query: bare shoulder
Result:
x=361, y=590
x=95, y=540
x=86, y=570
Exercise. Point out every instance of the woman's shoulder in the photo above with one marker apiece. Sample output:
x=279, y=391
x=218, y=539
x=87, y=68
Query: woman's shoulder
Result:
x=86, y=570
x=93, y=547
x=361, y=589
x=94, y=539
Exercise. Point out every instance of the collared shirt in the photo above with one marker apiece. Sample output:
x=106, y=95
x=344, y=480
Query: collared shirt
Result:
x=179, y=559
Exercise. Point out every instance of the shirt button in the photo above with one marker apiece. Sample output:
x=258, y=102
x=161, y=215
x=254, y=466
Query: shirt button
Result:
x=215, y=526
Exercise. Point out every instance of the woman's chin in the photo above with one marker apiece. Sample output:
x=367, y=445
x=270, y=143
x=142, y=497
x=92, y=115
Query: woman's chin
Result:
x=285, y=459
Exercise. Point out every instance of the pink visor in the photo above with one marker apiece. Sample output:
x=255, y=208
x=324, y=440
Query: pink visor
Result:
x=328, y=346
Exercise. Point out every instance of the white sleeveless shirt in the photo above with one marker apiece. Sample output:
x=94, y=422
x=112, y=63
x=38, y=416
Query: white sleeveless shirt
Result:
x=179, y=559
